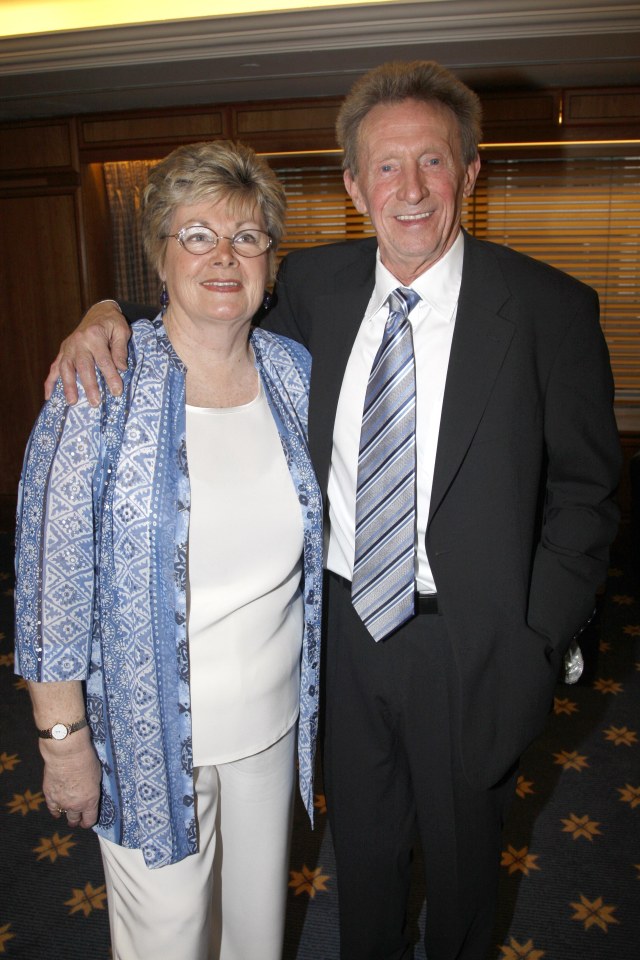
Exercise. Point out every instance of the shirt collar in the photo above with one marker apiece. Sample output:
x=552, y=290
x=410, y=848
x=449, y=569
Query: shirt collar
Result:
x=438, y=286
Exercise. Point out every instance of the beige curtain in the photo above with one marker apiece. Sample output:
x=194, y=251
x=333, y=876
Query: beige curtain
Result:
x=135, y=280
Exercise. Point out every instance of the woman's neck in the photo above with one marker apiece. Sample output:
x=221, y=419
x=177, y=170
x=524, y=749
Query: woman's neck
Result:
x=219, y=361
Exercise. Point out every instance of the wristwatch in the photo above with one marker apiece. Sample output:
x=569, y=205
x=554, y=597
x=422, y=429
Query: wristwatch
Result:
x=60, y=731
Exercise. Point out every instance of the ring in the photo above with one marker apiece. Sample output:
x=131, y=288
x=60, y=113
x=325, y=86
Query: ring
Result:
x=60, y=810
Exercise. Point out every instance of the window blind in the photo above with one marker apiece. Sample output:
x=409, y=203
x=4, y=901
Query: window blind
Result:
x=318, y=208
x=581, y=215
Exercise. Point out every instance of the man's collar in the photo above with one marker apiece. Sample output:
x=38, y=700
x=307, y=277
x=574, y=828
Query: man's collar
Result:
x=438, y=286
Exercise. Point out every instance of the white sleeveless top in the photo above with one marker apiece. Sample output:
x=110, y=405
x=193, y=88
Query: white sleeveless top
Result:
x=245, y=606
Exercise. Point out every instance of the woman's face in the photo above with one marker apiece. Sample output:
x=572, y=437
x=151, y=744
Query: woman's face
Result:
x=219, y=287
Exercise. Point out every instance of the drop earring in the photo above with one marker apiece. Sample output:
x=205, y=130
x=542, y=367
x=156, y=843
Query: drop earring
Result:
x=266, y=302
x=164, y=298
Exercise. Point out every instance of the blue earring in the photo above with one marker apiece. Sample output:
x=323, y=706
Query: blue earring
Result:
x=164, y=299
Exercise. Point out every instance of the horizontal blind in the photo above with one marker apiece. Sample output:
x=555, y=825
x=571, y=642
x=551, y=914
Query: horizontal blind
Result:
x=319, y=210
x=581, y=215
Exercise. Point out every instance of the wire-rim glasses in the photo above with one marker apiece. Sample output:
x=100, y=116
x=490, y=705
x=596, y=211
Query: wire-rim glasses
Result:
x=201, y=240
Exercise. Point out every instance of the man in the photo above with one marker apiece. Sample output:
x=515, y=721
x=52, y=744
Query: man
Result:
x=431, y=697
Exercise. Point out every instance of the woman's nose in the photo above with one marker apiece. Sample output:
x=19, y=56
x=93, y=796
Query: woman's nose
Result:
x=224, y=251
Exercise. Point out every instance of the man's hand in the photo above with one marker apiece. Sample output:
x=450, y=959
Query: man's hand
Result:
x=100, y=340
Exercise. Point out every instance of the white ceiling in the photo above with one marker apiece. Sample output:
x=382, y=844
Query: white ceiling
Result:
x=314, y=53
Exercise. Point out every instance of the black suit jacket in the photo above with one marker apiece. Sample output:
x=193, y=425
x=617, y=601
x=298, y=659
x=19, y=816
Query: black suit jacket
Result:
x=528, y=459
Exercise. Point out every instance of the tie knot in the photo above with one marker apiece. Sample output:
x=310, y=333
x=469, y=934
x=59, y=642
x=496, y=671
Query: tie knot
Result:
x=402, y=300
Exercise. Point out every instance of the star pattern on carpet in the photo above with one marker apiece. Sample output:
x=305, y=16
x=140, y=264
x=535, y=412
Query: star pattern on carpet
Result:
x=8, y=762
x=524, y=787
x=630, y=795
x=54, y=847
x=25, y=802
x=621, y=736
x=88, y=899
x=308, y=881
x=594, y=913
x=608, y=686
x=5, y=936
x=581, y=827
x=519, y=860
x=571, y=760
x=564, y=705
x=521, y=951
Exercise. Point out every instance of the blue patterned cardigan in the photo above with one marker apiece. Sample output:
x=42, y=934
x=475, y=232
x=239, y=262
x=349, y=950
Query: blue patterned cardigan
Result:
x=101, y=551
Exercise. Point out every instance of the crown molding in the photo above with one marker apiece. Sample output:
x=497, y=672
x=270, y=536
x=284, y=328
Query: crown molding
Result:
x=490, y=44
x=383, y=26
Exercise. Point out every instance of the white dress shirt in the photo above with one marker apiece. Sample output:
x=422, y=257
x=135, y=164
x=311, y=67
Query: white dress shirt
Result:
x=432, y=323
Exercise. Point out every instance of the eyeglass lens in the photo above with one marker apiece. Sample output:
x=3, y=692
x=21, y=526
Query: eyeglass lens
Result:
x=200, y=240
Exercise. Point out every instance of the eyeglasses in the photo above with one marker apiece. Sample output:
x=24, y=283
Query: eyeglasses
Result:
x=200, y=240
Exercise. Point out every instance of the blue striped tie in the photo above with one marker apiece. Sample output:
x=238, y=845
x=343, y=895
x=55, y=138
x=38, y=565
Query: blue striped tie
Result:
x=383, y=587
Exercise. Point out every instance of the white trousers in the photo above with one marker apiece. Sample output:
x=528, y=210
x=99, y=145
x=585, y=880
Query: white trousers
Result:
x=226, y=902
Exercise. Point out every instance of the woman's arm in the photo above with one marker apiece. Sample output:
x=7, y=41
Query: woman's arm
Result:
x=54, y=596
x=71, y=783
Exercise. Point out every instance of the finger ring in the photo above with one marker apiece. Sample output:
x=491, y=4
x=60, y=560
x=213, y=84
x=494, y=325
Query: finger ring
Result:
x=60, y=810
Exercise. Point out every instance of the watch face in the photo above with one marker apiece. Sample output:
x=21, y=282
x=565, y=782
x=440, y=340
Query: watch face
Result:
x=59, y=731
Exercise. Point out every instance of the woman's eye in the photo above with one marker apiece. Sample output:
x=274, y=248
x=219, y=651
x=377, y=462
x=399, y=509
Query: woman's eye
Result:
x=246, y=238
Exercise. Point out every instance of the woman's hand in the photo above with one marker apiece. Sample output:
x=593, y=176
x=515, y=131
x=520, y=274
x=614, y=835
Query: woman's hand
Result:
x=71, y=783
x=100, y=340
x=72, y=773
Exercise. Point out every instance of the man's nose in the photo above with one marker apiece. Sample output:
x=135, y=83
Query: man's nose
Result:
x=413, y=187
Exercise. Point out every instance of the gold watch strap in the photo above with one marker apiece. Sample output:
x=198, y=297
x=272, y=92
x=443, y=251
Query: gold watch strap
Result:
x=71, y=728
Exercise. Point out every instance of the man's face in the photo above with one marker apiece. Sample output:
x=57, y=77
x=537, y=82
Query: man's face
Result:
x=411, y=182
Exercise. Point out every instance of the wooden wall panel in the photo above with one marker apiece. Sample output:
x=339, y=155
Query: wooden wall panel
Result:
x=38, y=146
x=603, y=107
x=182, y=127
x=280, y=127
x=40, y=294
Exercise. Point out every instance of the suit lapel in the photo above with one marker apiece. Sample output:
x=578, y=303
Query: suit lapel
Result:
x=339, y=313
x=480, y=343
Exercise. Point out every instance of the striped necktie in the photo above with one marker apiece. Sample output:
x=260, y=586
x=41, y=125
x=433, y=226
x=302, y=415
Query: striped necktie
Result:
x=383, y=584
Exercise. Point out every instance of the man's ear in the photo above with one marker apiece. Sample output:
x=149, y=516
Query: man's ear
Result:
x=471, y=175
x=351, y=186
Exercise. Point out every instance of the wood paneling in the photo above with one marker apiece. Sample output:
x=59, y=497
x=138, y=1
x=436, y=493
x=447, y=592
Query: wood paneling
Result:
x=602, y=107
x=182, y=127
x=38, y=146
x=40, y=288
x=287, y=127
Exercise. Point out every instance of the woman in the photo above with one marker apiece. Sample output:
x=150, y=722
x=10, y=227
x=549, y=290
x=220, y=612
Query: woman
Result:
x=168, y=584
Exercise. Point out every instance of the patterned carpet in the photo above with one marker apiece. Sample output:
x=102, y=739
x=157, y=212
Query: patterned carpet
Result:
x=570, y=876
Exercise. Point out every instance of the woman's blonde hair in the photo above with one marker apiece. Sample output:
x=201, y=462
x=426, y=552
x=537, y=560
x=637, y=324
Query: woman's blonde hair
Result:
x=217, y=171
